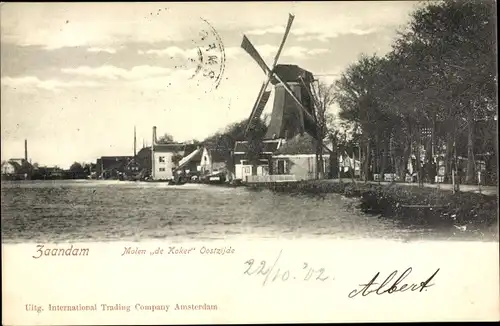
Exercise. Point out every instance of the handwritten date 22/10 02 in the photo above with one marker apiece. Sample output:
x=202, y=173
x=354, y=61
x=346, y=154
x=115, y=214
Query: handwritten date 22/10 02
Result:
x=274, y=273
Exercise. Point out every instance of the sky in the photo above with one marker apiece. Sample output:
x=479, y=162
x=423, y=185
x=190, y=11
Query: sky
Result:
x=77, y=77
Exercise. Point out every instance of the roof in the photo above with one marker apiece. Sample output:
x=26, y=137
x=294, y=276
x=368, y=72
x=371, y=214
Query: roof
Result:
x=168, y=147
x=292, y=73
x=197, y=157
x=217, y=153
x=15, y=164
x=217, y=156
x=300, y=144
x=114, y=162
x=20, y=163
x=175, y=147
x=189, y=148
x=268, y=146
x=144, y=151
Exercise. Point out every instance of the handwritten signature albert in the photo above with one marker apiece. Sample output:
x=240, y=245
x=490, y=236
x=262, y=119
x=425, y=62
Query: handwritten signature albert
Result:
x=387, y=286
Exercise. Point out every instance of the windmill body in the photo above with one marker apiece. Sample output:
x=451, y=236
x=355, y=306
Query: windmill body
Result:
x=287, y=117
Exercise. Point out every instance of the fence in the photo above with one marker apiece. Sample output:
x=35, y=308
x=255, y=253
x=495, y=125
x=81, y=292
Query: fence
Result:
x=270, y=178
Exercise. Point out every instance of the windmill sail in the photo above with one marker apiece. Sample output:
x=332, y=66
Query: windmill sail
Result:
x=250, y=49
x=258, y=108
x=287, y=30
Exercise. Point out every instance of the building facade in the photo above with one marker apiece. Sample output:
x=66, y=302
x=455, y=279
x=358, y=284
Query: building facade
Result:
x=211, y=162
x=164, y=158
x=111, y=167
x=8, y=168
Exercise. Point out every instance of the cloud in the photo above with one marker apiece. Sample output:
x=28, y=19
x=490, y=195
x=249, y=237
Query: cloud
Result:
x=301, y=52
x=97, y=50
x=29, y=82
x=56, y=25
x=113, y=72
x=313, y=33
x=267, y=50
x=144, y=77
x=233, y=51
x=269, y=30
x=177, y=78
x=318, y=51
x=171, y=51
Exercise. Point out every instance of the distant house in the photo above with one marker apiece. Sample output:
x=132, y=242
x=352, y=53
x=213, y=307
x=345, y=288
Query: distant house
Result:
x=191, y=161
x=212, y=161
x=143, y=158
x=8, y=168
x=166, y=157
x=280, y=160
x=261, y=164
x=17, y=168
x=110, y=167
x=51, y=173
x=297, y=159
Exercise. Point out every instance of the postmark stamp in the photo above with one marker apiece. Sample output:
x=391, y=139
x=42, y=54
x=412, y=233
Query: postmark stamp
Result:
x=203, y=56
x=211, y=58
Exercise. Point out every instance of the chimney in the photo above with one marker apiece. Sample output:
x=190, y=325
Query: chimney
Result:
x=154, y=135
x=26, y=150
x=135, y=144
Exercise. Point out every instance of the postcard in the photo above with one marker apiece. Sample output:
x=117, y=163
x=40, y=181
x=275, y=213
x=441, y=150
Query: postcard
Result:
x=249, y=162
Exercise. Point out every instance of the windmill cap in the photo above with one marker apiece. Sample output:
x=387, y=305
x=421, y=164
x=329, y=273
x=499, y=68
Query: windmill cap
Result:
x=292, y=73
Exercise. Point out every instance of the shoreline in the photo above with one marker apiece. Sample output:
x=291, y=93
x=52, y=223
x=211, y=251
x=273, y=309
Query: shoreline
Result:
x=411, y=205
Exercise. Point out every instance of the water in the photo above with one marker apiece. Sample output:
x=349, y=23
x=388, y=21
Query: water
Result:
x=57, y=211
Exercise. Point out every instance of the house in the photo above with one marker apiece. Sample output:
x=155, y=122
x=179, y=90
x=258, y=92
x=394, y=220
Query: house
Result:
x=8, y=168
x=110, y=167
x=166, y=157
x=296, y=158
x=17, y=168
x=190, y=163
x=244, y=166
x=212, y=161
x=280, y=160
x=49, y=173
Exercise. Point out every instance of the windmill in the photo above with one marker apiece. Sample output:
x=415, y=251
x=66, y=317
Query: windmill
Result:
x=293, y=110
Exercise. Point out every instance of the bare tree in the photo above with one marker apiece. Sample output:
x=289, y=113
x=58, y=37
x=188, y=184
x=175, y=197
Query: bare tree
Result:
x=323, y=97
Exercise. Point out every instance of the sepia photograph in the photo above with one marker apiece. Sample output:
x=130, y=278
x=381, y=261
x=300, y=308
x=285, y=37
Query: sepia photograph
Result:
x=230, y=149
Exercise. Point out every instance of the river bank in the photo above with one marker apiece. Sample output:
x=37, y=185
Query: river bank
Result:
x=420, y=206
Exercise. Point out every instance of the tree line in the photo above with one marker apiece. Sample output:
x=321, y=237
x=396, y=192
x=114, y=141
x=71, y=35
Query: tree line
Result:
x=436, y=89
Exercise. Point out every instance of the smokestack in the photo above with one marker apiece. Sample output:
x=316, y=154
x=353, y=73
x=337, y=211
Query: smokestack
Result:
x=135, y=144
x=26, y=150
x=153, y=153
x=154, y=135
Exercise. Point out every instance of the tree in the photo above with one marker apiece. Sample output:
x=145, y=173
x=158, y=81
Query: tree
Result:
x=323, y=98
x=439, y=77
x=76, y=167
x=355, y=93
x=453, y=43
x=176, y=158
x=224, y=142
x=76, y=170
x=165, y=139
